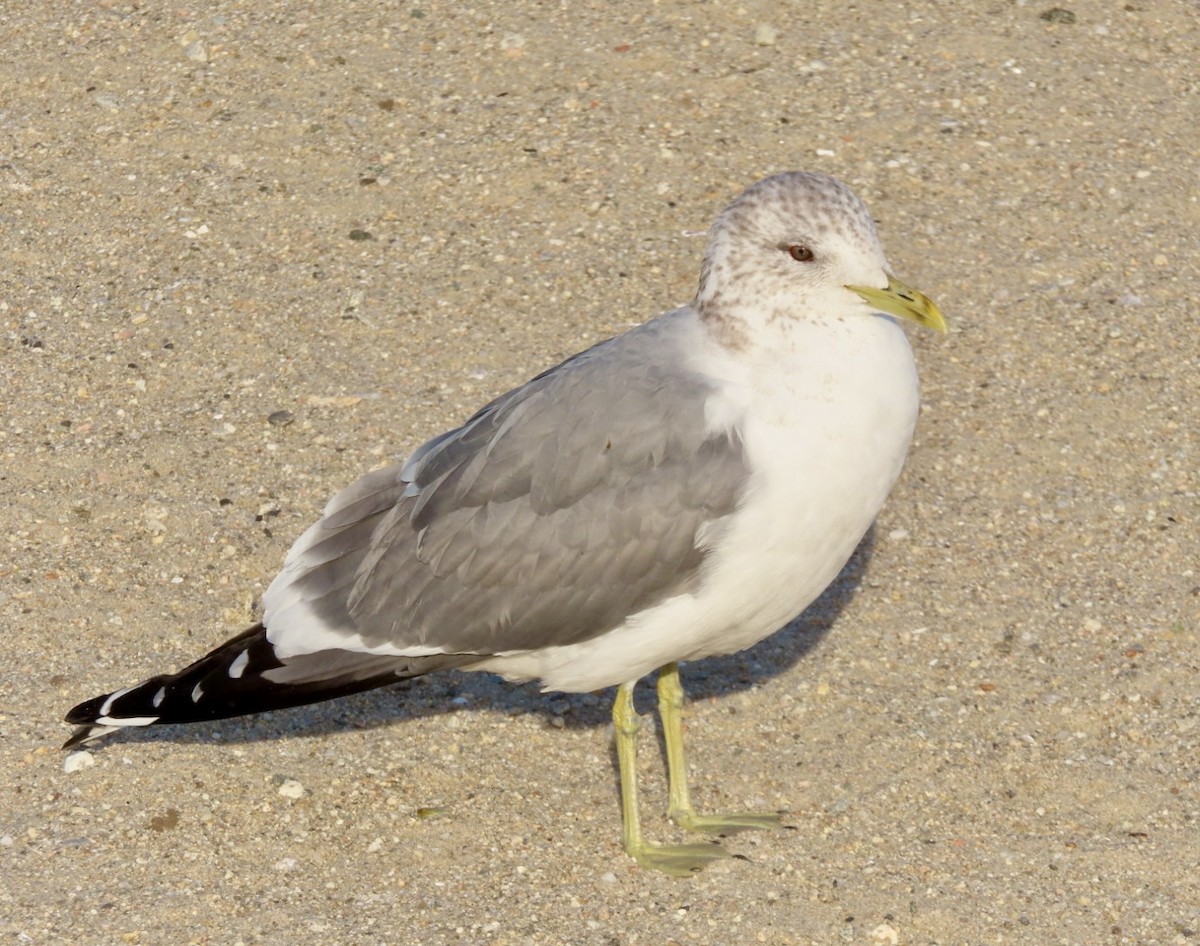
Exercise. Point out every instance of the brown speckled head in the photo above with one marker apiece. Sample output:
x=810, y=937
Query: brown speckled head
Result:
x=784, y=246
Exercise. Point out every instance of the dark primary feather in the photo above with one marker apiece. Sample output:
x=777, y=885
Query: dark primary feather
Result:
x=205, y=690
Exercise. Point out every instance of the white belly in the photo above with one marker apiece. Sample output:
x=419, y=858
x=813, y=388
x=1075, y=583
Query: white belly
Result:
x=824, y=448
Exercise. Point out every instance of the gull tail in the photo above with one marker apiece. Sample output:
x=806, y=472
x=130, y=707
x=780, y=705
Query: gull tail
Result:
x=243, y=676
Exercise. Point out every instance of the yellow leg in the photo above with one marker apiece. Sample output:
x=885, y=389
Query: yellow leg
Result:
x=681, y=810
x=680, y=860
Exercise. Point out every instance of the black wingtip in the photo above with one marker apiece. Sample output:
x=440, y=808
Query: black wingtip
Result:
x=84, y=716
x=162, y=698
x=86, y=712
x=244, y=675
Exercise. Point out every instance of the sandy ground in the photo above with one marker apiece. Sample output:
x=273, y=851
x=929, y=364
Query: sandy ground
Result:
x=374, y=217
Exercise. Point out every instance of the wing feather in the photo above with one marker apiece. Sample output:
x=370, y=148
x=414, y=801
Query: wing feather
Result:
x=547, y=518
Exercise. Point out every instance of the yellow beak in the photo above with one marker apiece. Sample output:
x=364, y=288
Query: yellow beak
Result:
x=904, y=302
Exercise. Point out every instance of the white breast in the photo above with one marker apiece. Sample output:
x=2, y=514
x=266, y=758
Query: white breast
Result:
x=826, y=427
x=825, y=449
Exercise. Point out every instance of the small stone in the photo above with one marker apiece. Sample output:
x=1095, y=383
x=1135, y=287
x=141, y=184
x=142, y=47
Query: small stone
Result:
x=290, y=788
x=1057, y=15
x=75, y=761
x=885, y=935
x=280, y=418
x=196, y=51
x=165, y=822
x=765, y=35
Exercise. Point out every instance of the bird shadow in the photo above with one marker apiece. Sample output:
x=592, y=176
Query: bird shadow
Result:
x=455, y=691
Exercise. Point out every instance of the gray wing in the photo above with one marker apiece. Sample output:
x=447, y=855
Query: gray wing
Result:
x=548, y=517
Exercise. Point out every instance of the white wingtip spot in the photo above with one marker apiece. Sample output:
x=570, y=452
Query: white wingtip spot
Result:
x=197, y=692
x=159, y=697
x=107, y=705
x=238, y=667
x=117, y=723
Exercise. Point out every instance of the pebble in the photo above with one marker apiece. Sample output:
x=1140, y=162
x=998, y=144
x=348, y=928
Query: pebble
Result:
x=290, y=788
x=196, y=51
x=1058, y=15
x=194, y=48
x=885, y=935
x=78, y=760
x=765, y=35
x=513, y=45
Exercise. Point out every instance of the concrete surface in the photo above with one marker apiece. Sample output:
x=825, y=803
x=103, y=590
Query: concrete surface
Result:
x=375, y=216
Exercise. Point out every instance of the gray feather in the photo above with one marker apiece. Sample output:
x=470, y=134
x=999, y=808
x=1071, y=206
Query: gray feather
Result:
x=546, y=519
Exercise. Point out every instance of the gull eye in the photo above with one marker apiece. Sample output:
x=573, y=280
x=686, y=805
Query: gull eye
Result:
x=800, y=253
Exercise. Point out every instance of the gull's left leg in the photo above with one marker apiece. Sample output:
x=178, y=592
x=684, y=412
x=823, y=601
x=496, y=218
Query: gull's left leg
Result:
x=681, y=811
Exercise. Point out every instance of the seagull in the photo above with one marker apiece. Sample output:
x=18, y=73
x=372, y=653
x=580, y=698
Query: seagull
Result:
x=676, y=492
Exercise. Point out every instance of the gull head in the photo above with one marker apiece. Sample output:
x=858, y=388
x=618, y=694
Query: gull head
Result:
x=800, y=246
